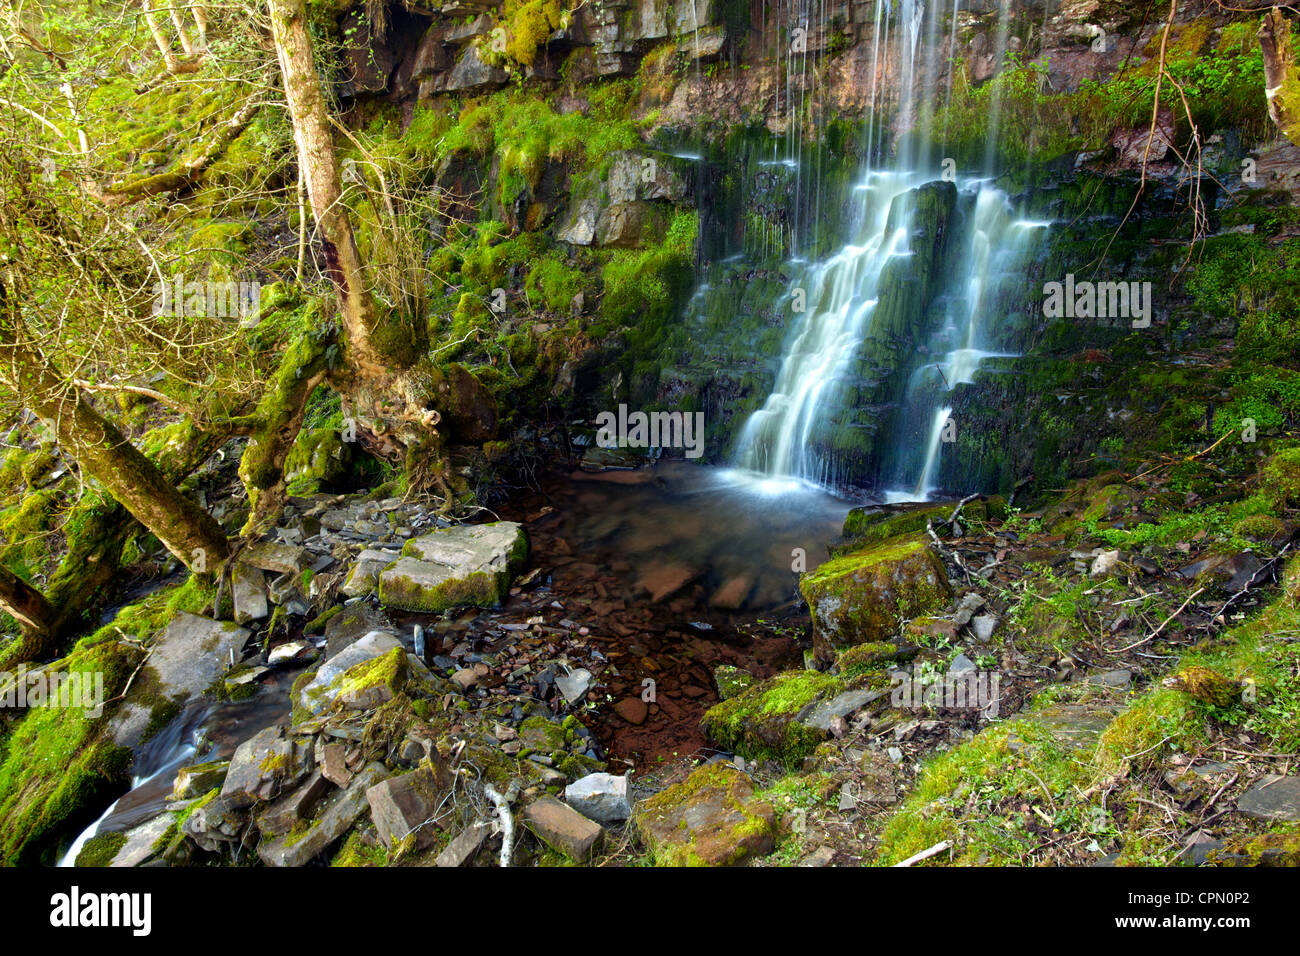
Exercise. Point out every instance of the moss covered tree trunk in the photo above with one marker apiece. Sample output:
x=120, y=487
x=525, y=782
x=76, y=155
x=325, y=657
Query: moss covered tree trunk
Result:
x=104, y=453
x=1279, y=74
x=376, y=344
x=385, y=376
x=25, y=604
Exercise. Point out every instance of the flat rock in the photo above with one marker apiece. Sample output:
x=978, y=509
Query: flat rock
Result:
x=632, y=709
x=563, y=828
x=141, y=840
x=601, y=797
x=820, y=714
x=363, y=578
x=273, y=556
x=248, y=591
x=338, y=812
x=188, y=656
x=1272, y=798
x=575, y=684
x=454, y=567
x=666, y=580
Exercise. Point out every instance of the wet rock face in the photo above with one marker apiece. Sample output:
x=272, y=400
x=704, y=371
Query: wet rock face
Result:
x=709, y=819
x=861, y=597
x=188, y=657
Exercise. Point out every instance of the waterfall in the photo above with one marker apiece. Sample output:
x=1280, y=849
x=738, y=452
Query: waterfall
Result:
x=992, y=258
x=838, y=298
x=983, y=263
x=834, y=300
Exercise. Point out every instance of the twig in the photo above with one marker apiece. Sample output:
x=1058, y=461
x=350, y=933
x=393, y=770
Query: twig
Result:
x=926, y=854
x=1157, y=631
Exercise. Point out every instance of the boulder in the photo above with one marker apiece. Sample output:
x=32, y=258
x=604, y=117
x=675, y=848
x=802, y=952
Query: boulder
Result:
x=462, y=850
x=473, y=73
x=197, y=780
x=280, y=558
x=454, y=567
x=709, y=819
x=248, y=591
x=600, y=796
x=363, y=578
x=363, y=675
x=264, y=766
x=786, y=716
x=629, y=225
x=292, y=808
x=406, y=807
x=861, y=597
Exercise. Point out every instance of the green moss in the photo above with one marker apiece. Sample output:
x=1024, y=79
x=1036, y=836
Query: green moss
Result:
x=355, y=852
x=1281, y=477
x=725, y=791
x=477, y=589
x=1281, y=848
x=864, y=596
x=759, y=722
x=389, y=670
x=100, y=849
x=57, y=762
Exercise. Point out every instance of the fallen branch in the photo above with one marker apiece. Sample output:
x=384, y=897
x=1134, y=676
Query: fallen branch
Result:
x=1156, y=632
x=505, y=819
x=926, y=854
x=186, y=173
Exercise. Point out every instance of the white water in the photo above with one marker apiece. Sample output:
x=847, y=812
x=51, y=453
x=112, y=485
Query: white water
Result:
x=841, y=291
x=839, y=296
x=996, y=245
x=173, y=762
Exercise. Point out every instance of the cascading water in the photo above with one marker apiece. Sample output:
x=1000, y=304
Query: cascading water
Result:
x=996, y=244
x=838, y=297
x=792, y=437
x=835, y=299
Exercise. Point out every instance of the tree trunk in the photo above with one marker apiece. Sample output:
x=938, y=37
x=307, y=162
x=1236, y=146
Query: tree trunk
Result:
x=172, y=63
x=1279, y=74
x=94, y=554
x=385, y=377
x=25, y=604
x=185, y=529
x=375, y=346
x=178, y=21
x=200, y=14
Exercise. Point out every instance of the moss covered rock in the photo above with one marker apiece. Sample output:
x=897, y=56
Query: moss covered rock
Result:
x=866, y=595
x=455, y=567
x=709, y=819
x=873, y=523
x=762, y=721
